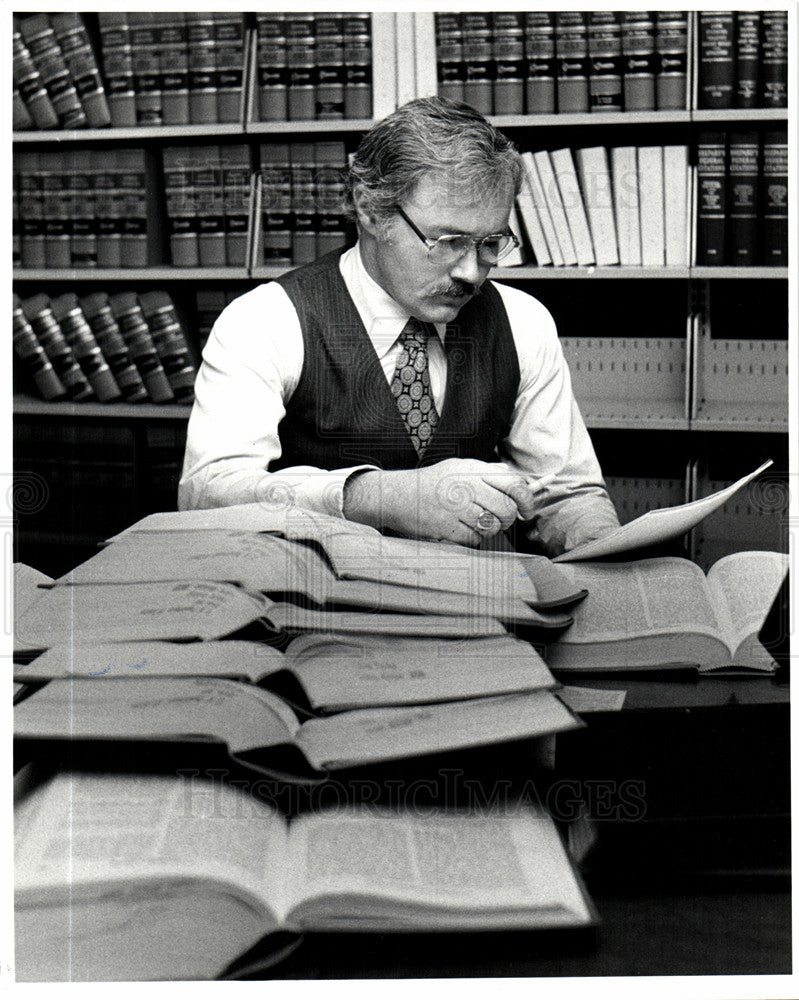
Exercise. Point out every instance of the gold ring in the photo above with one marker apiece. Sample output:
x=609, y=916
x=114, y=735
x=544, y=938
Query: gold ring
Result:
x=486, y=521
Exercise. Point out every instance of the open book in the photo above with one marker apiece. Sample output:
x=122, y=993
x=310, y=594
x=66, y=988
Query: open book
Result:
x=132, y=878
x=334, y=672
x=666, y=612
x=263, y=733
x=205, y=610
x=508, y=590
x=656, y=526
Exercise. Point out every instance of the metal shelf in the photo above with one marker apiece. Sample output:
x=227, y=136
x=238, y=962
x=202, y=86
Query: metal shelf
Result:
x=133, y=274
x=28, y=406
x=597, y=118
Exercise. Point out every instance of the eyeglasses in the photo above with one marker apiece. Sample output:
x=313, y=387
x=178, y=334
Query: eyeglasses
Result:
x=449, y=249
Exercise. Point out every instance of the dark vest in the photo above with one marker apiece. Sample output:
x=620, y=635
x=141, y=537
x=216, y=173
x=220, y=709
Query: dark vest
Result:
x=342, y=412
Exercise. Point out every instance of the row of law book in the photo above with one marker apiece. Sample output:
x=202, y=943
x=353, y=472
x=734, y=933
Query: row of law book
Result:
x=627, y=205
x=103, y=348
x=571, y=61
x=742, y=198
x=313, y=66
x=742, y=59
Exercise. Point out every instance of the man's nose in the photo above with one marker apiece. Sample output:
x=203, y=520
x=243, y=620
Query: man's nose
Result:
x=469, y=268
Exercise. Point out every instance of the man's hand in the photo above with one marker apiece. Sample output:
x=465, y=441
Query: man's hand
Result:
x=459, y=500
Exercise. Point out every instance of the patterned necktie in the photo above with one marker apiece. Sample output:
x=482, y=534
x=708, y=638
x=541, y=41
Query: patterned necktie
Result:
x=410, y=385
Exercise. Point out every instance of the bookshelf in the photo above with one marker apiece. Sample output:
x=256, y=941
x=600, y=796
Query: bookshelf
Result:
x=687, y=411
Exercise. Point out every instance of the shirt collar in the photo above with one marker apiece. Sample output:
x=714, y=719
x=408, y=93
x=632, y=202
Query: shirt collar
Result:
x=382, y=317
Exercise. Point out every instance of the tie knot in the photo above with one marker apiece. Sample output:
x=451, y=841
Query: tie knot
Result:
x=415, y=330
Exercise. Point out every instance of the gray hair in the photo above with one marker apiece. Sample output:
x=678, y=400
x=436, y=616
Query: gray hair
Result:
x=429, y=135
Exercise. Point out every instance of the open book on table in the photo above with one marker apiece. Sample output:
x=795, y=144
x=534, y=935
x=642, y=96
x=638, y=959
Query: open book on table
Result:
x=205, y=610
x=263, y=733
x=656, y=526
x=149, y=877
x=334, y=672
x=666, y=612
x=279, y=567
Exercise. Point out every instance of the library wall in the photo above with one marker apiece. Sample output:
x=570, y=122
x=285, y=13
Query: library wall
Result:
x=165, y=163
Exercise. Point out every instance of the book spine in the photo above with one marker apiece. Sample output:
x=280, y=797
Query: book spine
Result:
x=210, y=206
x=21, y=119
x=571, y=196
x=34, y=357
x=235, y=163
x=539, y=48
x=277, y=223
x=30, y=84
x=329, y=66
x=716, y=61
x=272, y=67
x=747, y=58
x=136, y=334
x=202, y=69
x=173, y=61
x=83, y=246
x=540, y=202
x=106, y=331
x=134, y=228
x=57, y=209
x=671, y=44
x=531, y=232
x=775, y=58
x=605, y=58
x=450, y=70
x=303, y=203
x=301, y=61
x=39, y=36
x=712, y=198
x=597, y=193
x=478, y=58
x=549, y=186
x=508, y=62
x=181, y=207
x=146, y=68
x=31, y=208
x=675, y=207
x=774, y=227
x=117, y=59
x=80, y=338
x=626, y=208
x=358, y=75
x=638, y=50
x=73, y=39
x=743, y=198
x=16, y=221
x=109, y=207
x=40, y=316
x=571, y=47
x=330, y=160
x=229, y=40
x=170, y=343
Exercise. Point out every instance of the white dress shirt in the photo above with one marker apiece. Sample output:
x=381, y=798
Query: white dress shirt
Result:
x=252, y=364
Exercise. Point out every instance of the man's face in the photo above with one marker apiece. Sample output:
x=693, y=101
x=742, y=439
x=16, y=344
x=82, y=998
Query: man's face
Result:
x=397, y=259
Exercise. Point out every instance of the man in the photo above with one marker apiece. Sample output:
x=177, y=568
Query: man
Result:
x=392, y=384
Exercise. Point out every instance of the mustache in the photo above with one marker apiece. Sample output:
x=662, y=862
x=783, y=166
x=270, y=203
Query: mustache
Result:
x=456, y=287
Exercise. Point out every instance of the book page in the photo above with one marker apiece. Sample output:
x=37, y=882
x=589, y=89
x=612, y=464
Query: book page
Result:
x=657, y=526
x=233, y=658
x=162, y=708
x=433, y=565
x=648, y=597
x=293, y=618
x=102, y=829
x=136, y=611
x=744, y=585
x=369, y=735
x=339, y=672
x=431, y=859
x=238, y=517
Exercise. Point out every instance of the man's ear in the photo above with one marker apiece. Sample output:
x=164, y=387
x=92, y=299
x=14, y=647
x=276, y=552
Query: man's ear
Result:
x=367, y=221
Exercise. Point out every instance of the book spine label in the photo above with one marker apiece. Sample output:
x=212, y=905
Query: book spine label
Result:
x=80, y=338
x=106, y=332
x=571, y=46
x=357, y=66
x=639, y=65
x=774, y=228
x=60, y=353
x=478, y=57
x=272, y=68
x=775, y=58
x=604, y=48
x=716, y=62
x=450, y=68
x=742, y=192
x=671, y=43
x=539, y=46
x=747, y=58
x=34, y=357
x=136, y=334
x=509, y=64
x=712, y=197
